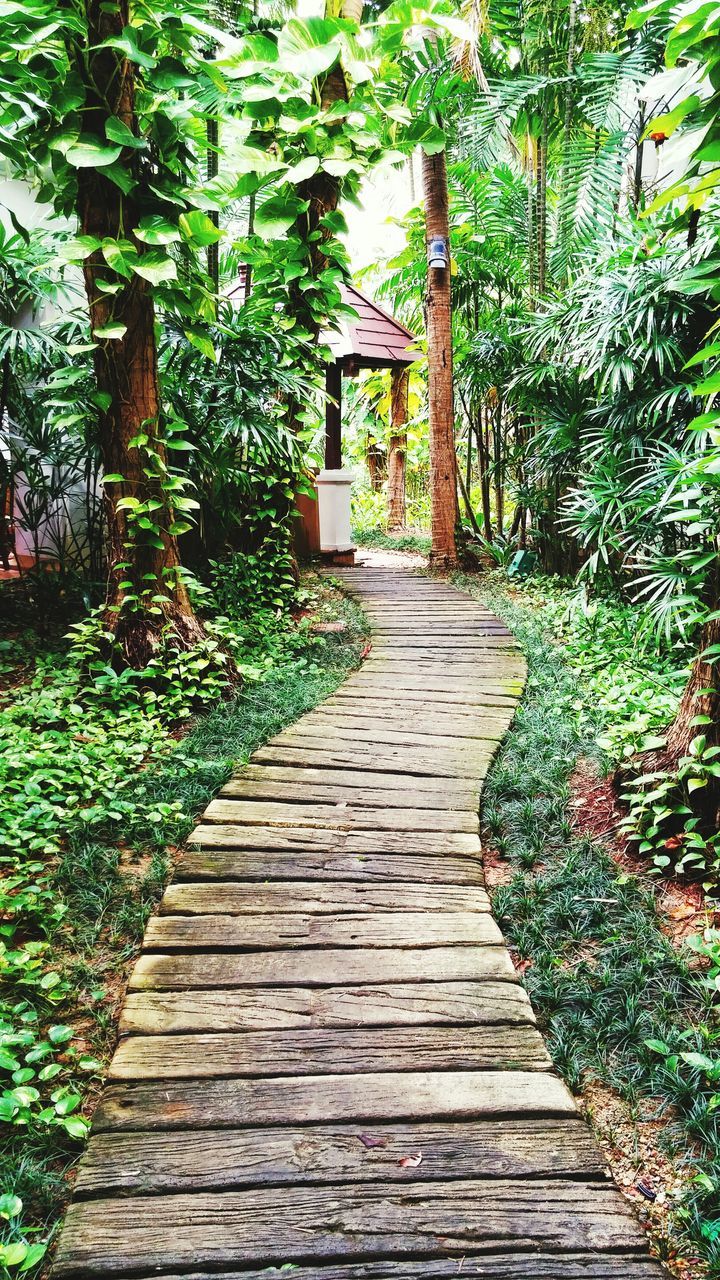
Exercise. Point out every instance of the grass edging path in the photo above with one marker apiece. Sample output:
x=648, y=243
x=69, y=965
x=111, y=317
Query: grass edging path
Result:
x=605, y=981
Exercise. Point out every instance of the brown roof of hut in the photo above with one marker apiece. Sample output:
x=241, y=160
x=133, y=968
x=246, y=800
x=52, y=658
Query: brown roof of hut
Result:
x=373, y=340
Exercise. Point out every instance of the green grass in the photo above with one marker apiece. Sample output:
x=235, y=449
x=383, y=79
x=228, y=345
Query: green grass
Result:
x=108, y=880
x=381, y=540
x=602, y=976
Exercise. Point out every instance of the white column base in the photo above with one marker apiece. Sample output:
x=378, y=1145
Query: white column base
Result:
x=334, y=510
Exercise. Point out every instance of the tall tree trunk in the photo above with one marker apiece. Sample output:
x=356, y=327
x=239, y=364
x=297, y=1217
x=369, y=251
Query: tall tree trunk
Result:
x=531, y=219
x=146, y=592
x=438, y=303
x=542, y=205
x=483, y=461
x=374, y=460
x=212, y=169
x=498, y=466
x=701, y=698
x=399, y=385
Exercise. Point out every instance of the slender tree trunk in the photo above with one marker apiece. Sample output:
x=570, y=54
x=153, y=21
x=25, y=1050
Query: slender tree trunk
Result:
x=127, y=373
x=374, y=460
x=531, y=185
x=438, y=303
x=498, y=466
x=399, y=385
x=484, y=480
x=250, y=231
x=213, y=165
x=700, y=698
x=542, y=206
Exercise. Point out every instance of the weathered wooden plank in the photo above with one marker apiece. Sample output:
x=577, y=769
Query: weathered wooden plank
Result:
x=464, y=704
x=363, y=738
x=236, y=864
x=463, y=665
x=328, y=1051
x=509, y=1264
x=218, y=835
x=371, y=724
x=419, y=1004
x=295, y=790
x=408, y=681
x=347, y=814
x=284, y=1224
x=374, y=703
x=391, y=780
x=487, y=646
x=358, y=929
x=316, y=897
x=407, y=1095
x=322, y=967
x=314, y=753
x=133, y=1163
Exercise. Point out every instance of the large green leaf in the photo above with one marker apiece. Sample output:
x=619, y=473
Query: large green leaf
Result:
x=303, y=170
x=198, y=229
x=156, y=266
x=88, y=152
x=127, y=44
x=276, y=216
x=256, y=54
x=117, y=131
x=154, y=229
x=308, y=49
x=121, y=255
x=113, y=329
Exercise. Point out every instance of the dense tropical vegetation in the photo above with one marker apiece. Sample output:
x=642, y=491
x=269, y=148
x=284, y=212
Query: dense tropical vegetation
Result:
x=173, y=241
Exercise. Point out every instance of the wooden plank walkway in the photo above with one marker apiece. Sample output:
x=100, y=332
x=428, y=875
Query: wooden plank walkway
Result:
x=325, y=1057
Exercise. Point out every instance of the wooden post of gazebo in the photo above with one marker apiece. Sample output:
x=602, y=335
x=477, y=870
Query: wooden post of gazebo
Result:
x=375, y=340
x=333, y=417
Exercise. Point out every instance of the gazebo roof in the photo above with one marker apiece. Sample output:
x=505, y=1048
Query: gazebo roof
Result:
x=375, y=340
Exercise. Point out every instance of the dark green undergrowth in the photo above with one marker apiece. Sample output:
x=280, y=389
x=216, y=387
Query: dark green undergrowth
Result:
x=616, y=1002
x=76, y=902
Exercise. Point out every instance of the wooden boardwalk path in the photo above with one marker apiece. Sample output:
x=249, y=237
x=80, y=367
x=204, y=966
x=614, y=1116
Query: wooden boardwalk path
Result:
x=326, y=1059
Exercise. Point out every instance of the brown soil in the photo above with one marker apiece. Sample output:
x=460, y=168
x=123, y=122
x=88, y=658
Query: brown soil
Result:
x=595, y=812
x=650, y=1179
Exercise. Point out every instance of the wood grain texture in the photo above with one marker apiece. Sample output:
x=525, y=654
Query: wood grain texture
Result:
x=224, y=835
x=406, y=1095
x=391, y=1005
x=315, y=897
x=131, y=1163
x=383, y=760
x=317, y=967
x=512, y=1263
x=295, y=789
x=310, y=1050
x=361, y=929
x=284, y=1224
x=343, y=815
x=323, y=864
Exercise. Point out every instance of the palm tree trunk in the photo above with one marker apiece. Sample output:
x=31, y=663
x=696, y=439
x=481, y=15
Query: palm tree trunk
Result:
x=438, y=310
x=399, y=384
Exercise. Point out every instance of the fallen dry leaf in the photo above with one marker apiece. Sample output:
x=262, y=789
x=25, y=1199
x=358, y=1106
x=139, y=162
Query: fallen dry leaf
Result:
x=411, y=1162
x=682, y=912
x=368, y=1140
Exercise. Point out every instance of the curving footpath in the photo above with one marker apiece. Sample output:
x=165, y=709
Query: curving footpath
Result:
x=326, y=1059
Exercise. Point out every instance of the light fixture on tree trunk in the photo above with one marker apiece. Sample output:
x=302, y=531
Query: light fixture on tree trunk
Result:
x=438, y=254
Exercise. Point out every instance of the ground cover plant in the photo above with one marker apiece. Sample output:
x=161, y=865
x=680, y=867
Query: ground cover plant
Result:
x=103, y=776
x=618, y=1003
